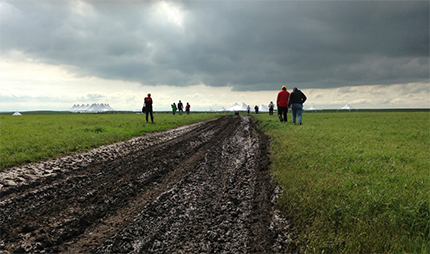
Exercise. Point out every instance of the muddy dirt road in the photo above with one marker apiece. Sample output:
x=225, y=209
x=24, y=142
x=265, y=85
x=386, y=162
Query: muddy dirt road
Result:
x=201, y=188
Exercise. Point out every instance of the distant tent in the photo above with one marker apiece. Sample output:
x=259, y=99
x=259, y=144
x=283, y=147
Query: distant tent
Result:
x=313, y=108
x=233, y=108
x=263, y=108
x=84, y=108
x=109, y=107
x=222, y=110
x=347, y=107
x=99, y=108
x=210, y=110
x=79, y=108
x=94, y=108
x=72, y=109
x=243, y=107
x=16, y=113
x=237, y=107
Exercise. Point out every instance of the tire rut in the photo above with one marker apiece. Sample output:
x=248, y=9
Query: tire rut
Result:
x=210, y=174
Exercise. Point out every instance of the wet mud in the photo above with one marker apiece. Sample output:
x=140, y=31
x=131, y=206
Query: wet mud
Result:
x=200, y=188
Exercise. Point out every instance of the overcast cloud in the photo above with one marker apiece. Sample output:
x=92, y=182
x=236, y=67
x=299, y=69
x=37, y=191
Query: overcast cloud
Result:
x=244, y=45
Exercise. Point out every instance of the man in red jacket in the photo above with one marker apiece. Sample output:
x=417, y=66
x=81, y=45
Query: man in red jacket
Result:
x=282, y=103
x=148, y=107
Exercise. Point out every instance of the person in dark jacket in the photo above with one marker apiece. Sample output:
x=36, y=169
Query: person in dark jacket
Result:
x=180, y=107
x=148, y=107
x=282, y=104
x=187, y=108
x=296, y=100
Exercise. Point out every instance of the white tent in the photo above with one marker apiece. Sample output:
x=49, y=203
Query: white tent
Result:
x=237, y=107
x=99, y=108
x=94, y=108
x=347, y=107
x=263, y=108
x=222, y=110
x=232, y=108
x=109, y=107
x=79, y=108
x=313, y=108
x=72, y=109
x=16, y=113
x=243, y=107
x=84, y=108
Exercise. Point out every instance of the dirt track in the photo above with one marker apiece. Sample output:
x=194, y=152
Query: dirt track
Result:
x=201, y=188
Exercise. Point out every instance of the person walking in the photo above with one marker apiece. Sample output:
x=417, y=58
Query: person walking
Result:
x=282, y=104
x=296, y=100
x=174, y=108
x=187, y=108
x=271, y=106
x=148, y=107
x=180, y=108
x=249, y=109
x=256, y=109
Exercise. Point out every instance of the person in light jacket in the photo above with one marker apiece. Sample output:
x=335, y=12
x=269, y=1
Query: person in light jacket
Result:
x=271, y=106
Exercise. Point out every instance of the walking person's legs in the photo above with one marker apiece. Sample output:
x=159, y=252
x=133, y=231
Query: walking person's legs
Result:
x=294, y=112
x=286, y=114
x=299, y=112
x=280, y=113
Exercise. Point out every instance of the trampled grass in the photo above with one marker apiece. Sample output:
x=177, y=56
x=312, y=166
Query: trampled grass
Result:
x=354, y=182
x=35, y=137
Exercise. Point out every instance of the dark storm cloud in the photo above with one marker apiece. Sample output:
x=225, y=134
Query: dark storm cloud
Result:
x=251, y=45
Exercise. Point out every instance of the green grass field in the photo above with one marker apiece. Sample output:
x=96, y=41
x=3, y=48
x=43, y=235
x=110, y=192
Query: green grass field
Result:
x=354, y=182
x=35, y=137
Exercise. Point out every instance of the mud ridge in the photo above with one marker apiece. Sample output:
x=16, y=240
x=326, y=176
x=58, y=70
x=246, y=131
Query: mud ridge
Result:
x=200, y=188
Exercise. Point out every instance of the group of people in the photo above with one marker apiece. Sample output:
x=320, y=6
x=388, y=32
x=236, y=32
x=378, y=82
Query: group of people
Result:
x=180, y=108
x=147, y=108
x=255, y=108
x=293, y=100
x=284, y=101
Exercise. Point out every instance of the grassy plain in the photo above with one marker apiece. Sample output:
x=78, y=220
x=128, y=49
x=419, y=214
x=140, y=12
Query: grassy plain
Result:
x=354, y=182
x=35, y=137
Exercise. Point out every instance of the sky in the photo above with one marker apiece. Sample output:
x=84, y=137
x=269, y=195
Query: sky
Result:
x=212, y=54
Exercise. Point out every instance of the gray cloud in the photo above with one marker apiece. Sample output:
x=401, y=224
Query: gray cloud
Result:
x=251, y=45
